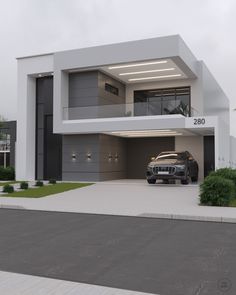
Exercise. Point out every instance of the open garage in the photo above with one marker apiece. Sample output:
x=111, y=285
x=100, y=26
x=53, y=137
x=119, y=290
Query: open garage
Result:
x=125, y=155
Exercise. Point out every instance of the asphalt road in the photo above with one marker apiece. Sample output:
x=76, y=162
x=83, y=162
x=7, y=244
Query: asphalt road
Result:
x=167, y=257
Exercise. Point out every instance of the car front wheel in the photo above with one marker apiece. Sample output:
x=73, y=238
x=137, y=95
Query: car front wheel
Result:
x=151, y=181
x=186, y=180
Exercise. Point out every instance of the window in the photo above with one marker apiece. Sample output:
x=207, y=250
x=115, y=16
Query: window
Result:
x=162, y=101
x=112, y=89
x=4, y=148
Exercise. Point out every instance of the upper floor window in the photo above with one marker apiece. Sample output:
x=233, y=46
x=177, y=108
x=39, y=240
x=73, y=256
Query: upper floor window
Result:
x=162, y=101
x=112, y=89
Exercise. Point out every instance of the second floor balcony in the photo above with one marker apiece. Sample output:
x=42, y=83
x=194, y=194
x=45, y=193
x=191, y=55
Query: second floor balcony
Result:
x=150, y=108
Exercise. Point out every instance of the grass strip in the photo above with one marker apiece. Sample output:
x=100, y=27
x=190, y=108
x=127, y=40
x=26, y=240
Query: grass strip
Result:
x=46, y=190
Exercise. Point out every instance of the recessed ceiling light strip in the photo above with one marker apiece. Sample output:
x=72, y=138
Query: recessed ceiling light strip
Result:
x=138, y=65
x=142, y=131
x=144, y=72
x=156, y=77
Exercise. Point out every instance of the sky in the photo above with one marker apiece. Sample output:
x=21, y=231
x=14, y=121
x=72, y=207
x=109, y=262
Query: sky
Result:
x=38, y=26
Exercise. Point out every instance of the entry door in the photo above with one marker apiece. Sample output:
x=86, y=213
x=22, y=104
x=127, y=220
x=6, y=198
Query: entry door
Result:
x=209, y=154
x=52, y=151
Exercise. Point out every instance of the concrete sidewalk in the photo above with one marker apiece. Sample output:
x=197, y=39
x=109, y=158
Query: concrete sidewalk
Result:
x=19, y=284
x=131, y=198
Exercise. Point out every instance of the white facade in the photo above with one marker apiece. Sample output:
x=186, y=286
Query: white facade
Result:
x=210, y=106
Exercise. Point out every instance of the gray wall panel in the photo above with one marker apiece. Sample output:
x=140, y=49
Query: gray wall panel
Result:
x=87, y=89
x=100, y=167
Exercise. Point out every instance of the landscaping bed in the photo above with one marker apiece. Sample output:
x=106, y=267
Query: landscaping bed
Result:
x=219, y=188
x=46, y=190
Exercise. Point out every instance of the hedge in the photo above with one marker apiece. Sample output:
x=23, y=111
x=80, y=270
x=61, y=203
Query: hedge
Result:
x=217, y=191
x=7, y=173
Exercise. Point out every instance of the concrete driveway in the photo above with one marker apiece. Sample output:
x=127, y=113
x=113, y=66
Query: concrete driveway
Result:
x=131, y=198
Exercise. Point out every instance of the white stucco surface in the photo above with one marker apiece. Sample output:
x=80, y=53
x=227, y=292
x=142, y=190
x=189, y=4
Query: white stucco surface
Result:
x=131, y=198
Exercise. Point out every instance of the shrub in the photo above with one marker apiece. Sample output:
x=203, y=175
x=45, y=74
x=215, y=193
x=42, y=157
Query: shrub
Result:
x=39, y=183
x=216, y=191
x=52, y=181
x=24, y=185
x=7, y=173
x=227, y=173
x=8, y=188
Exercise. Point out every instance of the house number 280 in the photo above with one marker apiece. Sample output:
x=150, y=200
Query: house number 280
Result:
x=199, y=121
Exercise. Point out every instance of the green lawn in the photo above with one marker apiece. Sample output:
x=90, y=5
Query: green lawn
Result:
x=233, y=203
x=46, y=190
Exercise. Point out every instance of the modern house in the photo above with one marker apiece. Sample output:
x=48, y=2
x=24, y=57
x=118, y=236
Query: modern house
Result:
x=102, y=112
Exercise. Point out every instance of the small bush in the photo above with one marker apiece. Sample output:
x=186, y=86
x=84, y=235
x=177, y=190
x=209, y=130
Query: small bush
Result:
x=227, y=173
x=39, y=183
x=7, y=173
x=24, y=185
x=8, y=188
x=52, y=181
x=216, y=191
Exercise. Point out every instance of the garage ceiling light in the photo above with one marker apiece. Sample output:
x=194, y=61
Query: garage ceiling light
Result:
x=144, y=72
x=138, y=65
x=154, y=135
x=146, y=133
x=155, y=77
x=141, y=131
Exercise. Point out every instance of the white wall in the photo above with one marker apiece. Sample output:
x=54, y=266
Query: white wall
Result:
x=193, y=144
x=26, y=94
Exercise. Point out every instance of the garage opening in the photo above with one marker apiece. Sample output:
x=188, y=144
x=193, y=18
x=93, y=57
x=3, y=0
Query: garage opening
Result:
x=140, y=151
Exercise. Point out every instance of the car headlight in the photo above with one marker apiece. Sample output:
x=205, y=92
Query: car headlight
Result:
x=149, y=168
x=180, y=167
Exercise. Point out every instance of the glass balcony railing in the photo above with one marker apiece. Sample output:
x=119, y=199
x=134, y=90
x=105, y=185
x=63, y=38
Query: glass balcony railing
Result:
x=127, y=110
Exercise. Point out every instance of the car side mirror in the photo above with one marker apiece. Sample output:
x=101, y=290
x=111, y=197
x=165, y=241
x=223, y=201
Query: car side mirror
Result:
x=153, y=158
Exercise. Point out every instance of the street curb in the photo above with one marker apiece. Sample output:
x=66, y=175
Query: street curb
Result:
x=188, y=217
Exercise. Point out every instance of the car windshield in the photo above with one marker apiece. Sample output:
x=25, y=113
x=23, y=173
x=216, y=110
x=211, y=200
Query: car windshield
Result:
x=175, y=156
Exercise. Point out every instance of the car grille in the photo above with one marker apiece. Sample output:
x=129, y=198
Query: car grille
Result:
x=169, y=169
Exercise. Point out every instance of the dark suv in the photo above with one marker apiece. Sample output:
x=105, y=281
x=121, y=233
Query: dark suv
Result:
x=172, y=165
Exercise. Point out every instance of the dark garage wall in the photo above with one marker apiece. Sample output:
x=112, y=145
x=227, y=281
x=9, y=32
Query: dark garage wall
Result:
x=113, y=157
x=140, y=151
x=100, y=166
x=133, y=156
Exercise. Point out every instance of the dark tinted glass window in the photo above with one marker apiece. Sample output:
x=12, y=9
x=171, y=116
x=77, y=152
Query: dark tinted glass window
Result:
x=162, y=101
x=112, y=89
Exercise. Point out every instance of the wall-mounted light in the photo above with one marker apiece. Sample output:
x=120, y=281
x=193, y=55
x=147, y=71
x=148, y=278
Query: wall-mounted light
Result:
x=73, y=157
x=116, y=157
x=89, y=156
x=110, y=157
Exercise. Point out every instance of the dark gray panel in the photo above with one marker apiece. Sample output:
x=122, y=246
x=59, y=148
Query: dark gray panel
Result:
x=83, y=92
x=209, y=154
x=48, y=145
x=100, y=166
x=83, y=89
x=140, y=151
